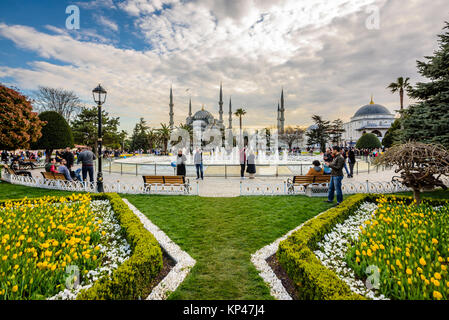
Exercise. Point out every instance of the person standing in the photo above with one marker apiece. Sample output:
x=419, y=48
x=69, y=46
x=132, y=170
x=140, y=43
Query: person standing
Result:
x=242, y=162
x=69, y=158
x=251, y=165
x=87, y=157
x=198, y=160
x=181, y=164
x=351, y=161
x=337, y=166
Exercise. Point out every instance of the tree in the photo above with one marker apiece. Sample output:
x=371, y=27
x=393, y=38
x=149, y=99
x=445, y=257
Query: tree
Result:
x=139, y=138
x=292, y=135
x=64, y=102
x=368, y=141
x=428, y=120
x=319, y=133
x=19, y=125
x=56, y=133
x=85, y=129
x=420, y=165
x=164, y=134
x=240, y=113
x=393, y=135
x=400, y=85
x=336, y=130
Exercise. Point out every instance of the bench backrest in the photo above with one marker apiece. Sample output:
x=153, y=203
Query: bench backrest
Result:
x=153, y=179
x=303, y=179
x=311, y=179
x=10, y=171
x=59, y=176
x=53, y=176
x=170, y=180
x=174, y=180
x=322, y=179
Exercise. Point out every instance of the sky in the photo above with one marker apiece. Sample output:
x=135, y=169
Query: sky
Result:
x=328, y=56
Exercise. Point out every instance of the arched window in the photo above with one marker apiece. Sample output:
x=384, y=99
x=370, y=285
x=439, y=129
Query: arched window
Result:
x=377, y=133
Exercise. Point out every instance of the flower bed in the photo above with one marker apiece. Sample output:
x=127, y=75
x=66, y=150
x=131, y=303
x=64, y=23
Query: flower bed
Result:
x=331, y=234
x=410, y=246
x=45, y=240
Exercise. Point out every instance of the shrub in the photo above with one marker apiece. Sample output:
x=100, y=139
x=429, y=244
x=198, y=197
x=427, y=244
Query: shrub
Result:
x=368, y=141
x=56, y=134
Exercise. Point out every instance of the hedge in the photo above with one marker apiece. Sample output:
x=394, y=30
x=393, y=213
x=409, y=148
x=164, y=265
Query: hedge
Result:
x=312, y=279
x=131, y=279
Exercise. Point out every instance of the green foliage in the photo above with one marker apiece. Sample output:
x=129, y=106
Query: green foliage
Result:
x=56, y=134
x=85, y=129
x=130, y=280
x=19, y=125
x=393, y=135
x=313, y=280
x=139, y=139
x=368, y=141
x=320, y=133
x=428, y=120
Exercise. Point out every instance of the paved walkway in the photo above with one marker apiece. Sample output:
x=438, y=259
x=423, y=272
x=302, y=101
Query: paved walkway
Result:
x=221, y=187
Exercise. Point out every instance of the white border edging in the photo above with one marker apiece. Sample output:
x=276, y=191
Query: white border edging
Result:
x=184, y=262
x=259, y=260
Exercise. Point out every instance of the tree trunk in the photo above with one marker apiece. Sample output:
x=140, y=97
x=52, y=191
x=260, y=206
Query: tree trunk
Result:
x=417, y=195
x=401, y=95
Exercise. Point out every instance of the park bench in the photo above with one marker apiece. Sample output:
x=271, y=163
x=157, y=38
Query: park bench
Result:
x=313, y=185
x=167, y=181
x=53, y=176
x=13, y=172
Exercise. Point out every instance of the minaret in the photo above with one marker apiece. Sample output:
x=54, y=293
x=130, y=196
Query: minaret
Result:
x=279, y=119
x=190, y=108
x=220, y=103
x=230, y=113
x=172, y=122
x=282, y=119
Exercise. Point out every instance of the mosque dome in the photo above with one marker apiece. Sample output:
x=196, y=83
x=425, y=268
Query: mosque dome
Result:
x=372, y=109
x=202, y=115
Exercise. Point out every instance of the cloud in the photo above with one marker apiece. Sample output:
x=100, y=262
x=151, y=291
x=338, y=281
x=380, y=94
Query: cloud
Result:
x=95, y=4
x=107, y=23
x=328, y=62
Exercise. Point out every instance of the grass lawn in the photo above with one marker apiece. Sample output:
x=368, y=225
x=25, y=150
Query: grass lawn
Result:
x=222, y=233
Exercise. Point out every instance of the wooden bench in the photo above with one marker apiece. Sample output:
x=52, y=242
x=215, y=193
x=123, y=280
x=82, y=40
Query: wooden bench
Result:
x=150, y=181
x=53, y=176
x=14, y=173
x=306, y=181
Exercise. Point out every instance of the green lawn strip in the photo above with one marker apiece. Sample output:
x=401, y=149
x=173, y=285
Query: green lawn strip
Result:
x=12, y=191
x=221, y=234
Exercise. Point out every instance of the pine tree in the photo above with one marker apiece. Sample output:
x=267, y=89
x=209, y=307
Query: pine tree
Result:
x=319, y=134
x=428, y=120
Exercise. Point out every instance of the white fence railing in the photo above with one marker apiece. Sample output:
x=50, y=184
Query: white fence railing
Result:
x=77, y=186
x=250, y=189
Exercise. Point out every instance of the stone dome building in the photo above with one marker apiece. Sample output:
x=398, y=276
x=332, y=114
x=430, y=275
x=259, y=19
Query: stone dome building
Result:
x=372, y=118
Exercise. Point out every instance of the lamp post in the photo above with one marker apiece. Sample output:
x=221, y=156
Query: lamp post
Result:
x=99, y=95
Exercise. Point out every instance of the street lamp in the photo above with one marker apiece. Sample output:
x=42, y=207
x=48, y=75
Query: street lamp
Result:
x=99, y=95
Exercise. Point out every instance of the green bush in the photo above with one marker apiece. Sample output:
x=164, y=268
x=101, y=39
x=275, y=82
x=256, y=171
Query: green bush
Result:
x=313, y=280
x=130, y=280
x=368, y=141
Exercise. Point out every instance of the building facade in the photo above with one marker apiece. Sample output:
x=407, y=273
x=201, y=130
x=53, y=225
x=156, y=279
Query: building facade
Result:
x=371, y=118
